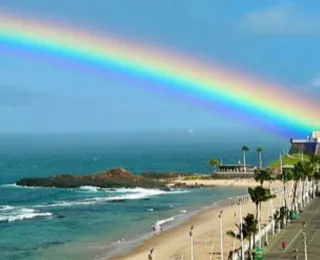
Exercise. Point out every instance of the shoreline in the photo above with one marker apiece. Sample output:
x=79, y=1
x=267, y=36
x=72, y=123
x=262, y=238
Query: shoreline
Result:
x=236, y=183
x=131, y=245
x=174, y=242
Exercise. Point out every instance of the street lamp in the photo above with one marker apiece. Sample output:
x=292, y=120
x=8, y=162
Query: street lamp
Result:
x=304, y=237
x=191, y=242
x=221, y=234
x=241, y=228
x=234, y=240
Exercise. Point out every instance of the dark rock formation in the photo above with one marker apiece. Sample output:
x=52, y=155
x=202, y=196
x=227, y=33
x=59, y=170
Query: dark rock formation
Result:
x=113, y=178
x=165, y=175
x=191, y=186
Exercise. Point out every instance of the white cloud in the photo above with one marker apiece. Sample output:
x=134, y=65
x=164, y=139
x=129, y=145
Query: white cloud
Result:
x=283, y=18
x=315, y=81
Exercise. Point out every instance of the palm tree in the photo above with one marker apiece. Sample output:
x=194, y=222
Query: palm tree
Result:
x=249, y=228
x=302, y=171
x=279, y=217
x=259, y=195
x=309, y=171
x=286, y=176
x=315, y=159
x=244, y=150
x=213, y=164
x=260, y=151
x=262, y=175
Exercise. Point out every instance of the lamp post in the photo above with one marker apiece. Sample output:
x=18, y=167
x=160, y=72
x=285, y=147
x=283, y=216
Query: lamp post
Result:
x=304, y=237
x=284, y=177
x=259, y=225
x=234, y=240
x=191, y=242
x=241, y=227
x=272, y=217
x=221, y=234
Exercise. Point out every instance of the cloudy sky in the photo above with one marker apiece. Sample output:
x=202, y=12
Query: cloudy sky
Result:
x=276, y=41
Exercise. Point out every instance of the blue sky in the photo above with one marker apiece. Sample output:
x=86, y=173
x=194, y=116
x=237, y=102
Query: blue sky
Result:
x=274, y=40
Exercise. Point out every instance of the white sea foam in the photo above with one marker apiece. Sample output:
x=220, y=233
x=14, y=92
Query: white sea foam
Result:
x=24, y=216
x=140, y=194
x=9, y=185
x=14, y=185
x=163, y=221
x=90, y=188
x=10, y=213
x=6, y=207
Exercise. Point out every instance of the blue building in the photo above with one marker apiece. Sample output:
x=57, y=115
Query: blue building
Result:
x=310, y=145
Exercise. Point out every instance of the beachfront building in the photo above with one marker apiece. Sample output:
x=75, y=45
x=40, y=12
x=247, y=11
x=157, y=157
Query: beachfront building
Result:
x=235, y=168
x=310, y=145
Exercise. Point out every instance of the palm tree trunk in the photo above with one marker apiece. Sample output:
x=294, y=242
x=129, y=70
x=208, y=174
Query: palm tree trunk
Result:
x=244, y=161
x=294, y=196
x=257, y=217
x=260, y=160
x=260, y=225
x=249, y=249
x=285, y=203
x=302, y=193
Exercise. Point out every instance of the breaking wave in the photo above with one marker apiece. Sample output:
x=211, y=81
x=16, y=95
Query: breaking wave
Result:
x=10, y=213
x=132, y=194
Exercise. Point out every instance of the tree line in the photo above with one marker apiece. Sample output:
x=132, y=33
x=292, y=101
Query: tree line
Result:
x=301, y=172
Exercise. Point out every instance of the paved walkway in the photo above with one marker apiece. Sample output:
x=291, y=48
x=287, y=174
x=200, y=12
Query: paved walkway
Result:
x=292, y=235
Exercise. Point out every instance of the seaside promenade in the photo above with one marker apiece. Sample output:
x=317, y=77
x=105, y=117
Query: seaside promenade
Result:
x=308, y=223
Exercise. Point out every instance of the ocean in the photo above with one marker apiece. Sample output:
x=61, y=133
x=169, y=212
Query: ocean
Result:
x=82, y=224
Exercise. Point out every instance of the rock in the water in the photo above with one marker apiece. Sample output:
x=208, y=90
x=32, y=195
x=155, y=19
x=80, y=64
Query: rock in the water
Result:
x=113, y=178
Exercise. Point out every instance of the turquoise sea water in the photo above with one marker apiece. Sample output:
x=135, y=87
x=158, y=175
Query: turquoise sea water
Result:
x=48, y=223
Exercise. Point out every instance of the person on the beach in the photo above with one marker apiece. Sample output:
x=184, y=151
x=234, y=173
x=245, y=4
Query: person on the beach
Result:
x=150, y=254
x=154, y=230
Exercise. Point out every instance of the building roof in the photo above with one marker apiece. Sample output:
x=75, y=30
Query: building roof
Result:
x=234, y=165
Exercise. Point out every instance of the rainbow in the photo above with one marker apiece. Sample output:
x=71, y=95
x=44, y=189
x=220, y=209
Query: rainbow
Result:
x=266, y=103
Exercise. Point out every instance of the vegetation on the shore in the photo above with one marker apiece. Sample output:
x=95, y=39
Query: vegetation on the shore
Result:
x=213, y=163
x=249, y=228
x=289, y=159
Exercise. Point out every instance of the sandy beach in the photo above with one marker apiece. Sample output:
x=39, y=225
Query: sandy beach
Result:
x=223, y=183
x=174, y=243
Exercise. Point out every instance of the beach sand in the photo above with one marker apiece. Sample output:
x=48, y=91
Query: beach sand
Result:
x=226, y=183
x=175, y=243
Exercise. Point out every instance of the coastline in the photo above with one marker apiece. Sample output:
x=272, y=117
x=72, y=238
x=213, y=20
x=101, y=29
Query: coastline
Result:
x=174, y=242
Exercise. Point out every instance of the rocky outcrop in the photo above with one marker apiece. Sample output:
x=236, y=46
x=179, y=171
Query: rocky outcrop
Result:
x=113, y=178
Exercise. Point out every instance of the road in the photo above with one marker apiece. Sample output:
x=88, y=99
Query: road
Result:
x=292, y=235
